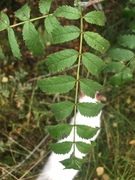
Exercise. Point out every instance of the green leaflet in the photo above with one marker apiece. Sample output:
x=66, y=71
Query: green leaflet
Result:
x=24, y=13
x=65, y=34
x=124, y=76
x=84, y=147
x=89, y=87
x=2, y=56
x=61, y=148
x=96, y=41
x=4, y=21
x=67, y=12
x=127, y=41
x=57, y=84
x=62, y=110
x=90, y=109
x=114, y=67
x=120, y=54
x=13, y=43
x=86, y=132
x=59, y=131
x=62, y=59
x=95, y=17
x=93, y=63
x=73, y=163
x=51, y=23
x=32, y=39
x=44, y=6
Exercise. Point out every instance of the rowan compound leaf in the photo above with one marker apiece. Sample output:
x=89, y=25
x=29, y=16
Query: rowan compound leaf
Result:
x=24, y=13
x=61, y=148
x=13, y=43
x=62, y=59
x=60, y=131
x=127, y=41
x=114, y=67
x=32, y=39
x=57, y=84
x=90, y=109
x=86, y=132
x=65, y=34
x=124, y=76
x=95, y=17
x=84, y=147
x=4, y=21
x=67, y=12
x=89, y=87
x=96, y=41
x=44, y=6
x=93, y=63
x=62, y=110
x=73, y=163
x=120, y=54
x=51, y=23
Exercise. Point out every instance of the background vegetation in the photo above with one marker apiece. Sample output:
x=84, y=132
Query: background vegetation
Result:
x=24, y=112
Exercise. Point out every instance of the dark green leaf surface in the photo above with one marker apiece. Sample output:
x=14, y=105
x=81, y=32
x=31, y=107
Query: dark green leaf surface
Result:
x=32, y=39
x=127, y=41
x=62, y=110
x=95, y=17
x=96, y=41
x=67, y=12
x=61, y=148
x=51, y=23
x=120, y=54
x=2, y=56
x=4, y=21
x=89, y=87
x=58, y=84
x=86, y=132
x=90, y=109
x=44, y=6
x=84, y=147
x=93, y=63
x=114, y=67
x=62, y=59
x=60, y=131
x=24, y=13
x=124, y=76
x=13, y=43
x=73, y=163
x=65, y=34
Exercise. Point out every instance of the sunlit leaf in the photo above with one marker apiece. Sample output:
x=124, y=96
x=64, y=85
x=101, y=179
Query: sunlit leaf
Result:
x=44, y=6
x=58, y=84
x=114, y=67
x=32, y=39
x=73, y=163
x=62, y=110
x=65, y=34
x=13, y=43
x=61, y=148
x=89, y=87
x=93, y=63
x=124, y=76
x=62, y=59
x=86, y=132
x=51, y=23
x=60, y=131
x=84, y=147
x=96, y=41
x=4, y=21
x=95, y=17
x=121, y=54
x=90, y=109
x=24, y=13
x=67, y=12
